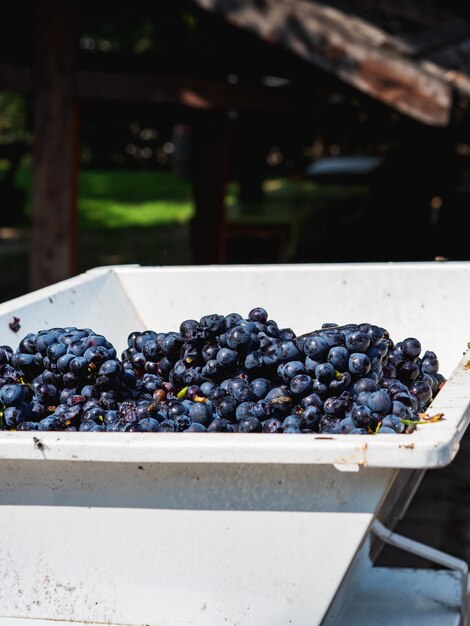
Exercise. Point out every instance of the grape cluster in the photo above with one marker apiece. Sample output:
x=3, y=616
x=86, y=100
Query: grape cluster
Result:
x=219, y=374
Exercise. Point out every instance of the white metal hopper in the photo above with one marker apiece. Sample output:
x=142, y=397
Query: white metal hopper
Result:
x=170, y=528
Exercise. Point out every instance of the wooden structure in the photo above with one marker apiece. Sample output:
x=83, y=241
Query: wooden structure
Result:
x=417, y=62
x=408, y=55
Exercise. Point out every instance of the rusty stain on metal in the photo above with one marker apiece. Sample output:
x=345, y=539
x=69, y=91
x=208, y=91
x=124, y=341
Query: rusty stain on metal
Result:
x=364, y=451
x=346, y=460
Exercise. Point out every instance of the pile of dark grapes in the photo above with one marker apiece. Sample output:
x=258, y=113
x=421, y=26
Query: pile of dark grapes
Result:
x=219, y=374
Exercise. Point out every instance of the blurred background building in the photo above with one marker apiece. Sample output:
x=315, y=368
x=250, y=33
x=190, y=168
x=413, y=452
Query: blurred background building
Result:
x=230, y=131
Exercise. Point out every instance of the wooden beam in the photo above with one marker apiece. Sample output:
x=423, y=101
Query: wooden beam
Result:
x=347, y=46
x=210, y=174
x=54, y=227
x=197, y=94
x=454, y=62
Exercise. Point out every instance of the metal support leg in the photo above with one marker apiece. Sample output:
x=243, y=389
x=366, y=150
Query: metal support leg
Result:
x=431, y=554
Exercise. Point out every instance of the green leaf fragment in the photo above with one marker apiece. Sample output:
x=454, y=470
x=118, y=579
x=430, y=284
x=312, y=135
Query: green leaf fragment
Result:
x=180, y=395
x=424, y=419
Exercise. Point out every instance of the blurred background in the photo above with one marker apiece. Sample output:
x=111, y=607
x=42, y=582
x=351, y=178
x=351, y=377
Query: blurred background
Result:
x=230, y=131
x=239, y=131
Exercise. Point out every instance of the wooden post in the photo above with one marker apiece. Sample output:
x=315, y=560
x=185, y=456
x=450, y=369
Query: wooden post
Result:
x=252, y=144
x=56, y=145
x=210, y=173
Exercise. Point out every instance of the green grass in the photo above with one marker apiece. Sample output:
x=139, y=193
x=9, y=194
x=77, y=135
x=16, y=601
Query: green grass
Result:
x=124, y=199
x=100, y=213
x=118, y=199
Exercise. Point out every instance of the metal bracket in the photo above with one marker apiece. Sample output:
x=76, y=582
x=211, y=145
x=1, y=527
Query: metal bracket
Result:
x=346, y=467
x=431, y=554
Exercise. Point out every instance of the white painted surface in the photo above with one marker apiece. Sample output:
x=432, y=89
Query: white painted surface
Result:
x=168, y=545
x=426, y=300
x=93, y=300
x=389, y=597
x=268, y=532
